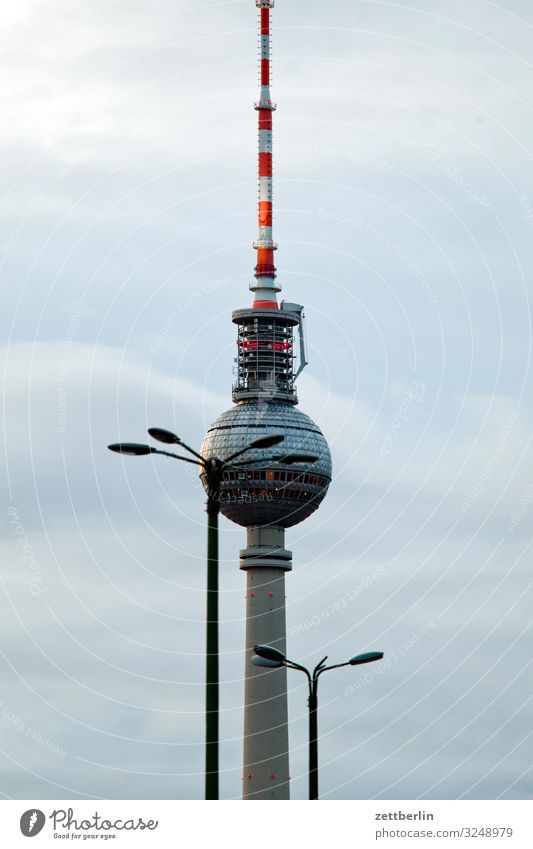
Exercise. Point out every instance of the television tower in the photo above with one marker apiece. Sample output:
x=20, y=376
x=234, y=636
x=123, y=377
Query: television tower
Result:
x=269, y=495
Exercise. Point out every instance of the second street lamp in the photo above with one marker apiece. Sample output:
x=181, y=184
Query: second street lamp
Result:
x=271, y=657
x=213, y=468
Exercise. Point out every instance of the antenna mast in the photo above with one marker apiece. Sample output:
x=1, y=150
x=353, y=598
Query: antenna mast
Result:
x=264, y=286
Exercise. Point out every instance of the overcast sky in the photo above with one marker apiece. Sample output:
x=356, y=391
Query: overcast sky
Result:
x=404, y=215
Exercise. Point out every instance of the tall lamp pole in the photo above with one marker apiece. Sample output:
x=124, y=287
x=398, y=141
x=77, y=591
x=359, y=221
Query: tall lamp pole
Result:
x=270, y=656
x=213, y=469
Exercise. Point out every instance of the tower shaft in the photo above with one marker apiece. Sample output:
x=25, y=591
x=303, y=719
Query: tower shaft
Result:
x=266, y=738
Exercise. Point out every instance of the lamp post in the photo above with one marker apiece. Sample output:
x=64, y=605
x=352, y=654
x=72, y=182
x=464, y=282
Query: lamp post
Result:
x=272, y=657
x=213, y=468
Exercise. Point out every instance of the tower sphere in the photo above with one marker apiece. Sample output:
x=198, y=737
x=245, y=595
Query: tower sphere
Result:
x=269, y=492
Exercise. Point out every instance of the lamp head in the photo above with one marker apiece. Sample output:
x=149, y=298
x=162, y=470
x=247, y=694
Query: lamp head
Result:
x=264, y=661
x=163, y=435
x=131, y=449
x=270, y=653
x=367, y=657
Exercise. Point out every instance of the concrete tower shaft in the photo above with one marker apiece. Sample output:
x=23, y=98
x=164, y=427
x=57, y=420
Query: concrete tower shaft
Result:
x=266, y=740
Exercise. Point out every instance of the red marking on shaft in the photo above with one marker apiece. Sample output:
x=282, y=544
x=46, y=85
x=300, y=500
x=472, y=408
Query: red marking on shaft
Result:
x=265, y=71
x=265, y=213
x=265, y=305
x=265, y=256
x=255, y=346
x=265, y=119
x=265, y=21
x=265, y=270
x=265, y=164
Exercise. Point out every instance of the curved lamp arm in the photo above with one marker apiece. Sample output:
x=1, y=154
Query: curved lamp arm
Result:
x=178, y=457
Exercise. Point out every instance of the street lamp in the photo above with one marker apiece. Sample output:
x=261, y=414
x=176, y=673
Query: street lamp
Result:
x=213, y=469
x=268, y=656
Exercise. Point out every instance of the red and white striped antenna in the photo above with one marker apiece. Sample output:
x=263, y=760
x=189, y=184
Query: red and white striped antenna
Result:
x=265, y=367
x=264, y=286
